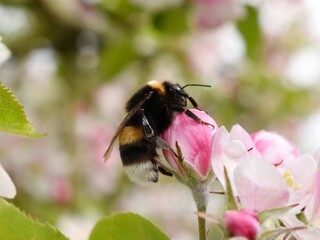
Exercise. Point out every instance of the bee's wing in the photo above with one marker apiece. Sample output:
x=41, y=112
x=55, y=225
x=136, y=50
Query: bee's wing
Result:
x=123, y=123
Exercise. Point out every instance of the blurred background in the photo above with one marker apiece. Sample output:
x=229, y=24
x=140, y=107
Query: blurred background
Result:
x=75, y=63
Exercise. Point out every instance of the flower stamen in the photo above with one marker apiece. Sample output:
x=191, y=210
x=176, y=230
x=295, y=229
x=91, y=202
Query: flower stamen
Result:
x=289, y=180
x=297, y=186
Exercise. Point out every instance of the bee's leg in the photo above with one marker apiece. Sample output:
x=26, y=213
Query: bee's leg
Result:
x=163, y=167
x=195, y=104
x=165, y=171
x=150, y=135
x=196, y=118
x=164, y=145
x=146, y=127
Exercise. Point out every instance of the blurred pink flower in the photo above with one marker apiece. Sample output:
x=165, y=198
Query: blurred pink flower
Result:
x=242, y=223
x=7, y=188
x=212, y=53
x=212, y=13
x=273, y=147
x=194, y=140
x=62, y=190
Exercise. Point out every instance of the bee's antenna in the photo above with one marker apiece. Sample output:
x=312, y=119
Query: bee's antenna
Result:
x=198, y=85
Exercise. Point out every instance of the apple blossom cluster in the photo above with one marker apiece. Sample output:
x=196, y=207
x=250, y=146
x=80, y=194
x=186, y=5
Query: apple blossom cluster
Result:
x=271, y=188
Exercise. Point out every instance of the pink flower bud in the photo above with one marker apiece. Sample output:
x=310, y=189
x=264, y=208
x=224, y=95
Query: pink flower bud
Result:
x=273, y=147
x=242, y=223
x=194, y=140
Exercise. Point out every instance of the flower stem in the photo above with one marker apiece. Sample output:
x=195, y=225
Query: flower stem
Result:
x=202, y=228
x=200, y=195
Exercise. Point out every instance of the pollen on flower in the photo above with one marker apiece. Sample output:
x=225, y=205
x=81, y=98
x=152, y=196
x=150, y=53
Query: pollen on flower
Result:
x=296, y=186
x=289, y=180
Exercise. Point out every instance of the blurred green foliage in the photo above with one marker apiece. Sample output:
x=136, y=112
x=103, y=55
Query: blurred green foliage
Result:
x=117, y=26
x=97, y=44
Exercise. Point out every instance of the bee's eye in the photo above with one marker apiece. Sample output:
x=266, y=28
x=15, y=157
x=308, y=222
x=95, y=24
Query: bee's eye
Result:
x=171, y=90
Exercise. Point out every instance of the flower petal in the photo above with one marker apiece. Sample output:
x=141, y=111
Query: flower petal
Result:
x=260, y=186
x=193, y=138
x=274, y=147
x=303, y=170
x=219, y=140
x=238, y=132
x=235, y=149
x=7, y=188
x=228, y=153
x=4, y=52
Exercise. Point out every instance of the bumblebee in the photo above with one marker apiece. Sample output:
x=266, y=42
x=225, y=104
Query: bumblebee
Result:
x=150, y=112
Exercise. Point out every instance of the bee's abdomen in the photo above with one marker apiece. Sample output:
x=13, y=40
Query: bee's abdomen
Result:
x=138, y=161
x=130, y=134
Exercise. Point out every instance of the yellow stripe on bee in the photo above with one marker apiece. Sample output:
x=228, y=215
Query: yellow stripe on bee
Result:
x=129, y=135
x=158, y=86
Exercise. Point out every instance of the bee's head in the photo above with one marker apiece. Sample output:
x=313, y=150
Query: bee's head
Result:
x=173, y=95
x=176, y=97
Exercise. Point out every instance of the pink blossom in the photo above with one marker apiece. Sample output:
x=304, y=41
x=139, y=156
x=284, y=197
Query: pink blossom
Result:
x=270, y=174
x=62, y=190
x=273, y=147
x=279, y=152
x=242, y=223
x=302, y=173
x=312, y=214
x=260, y=185
x=194, y=139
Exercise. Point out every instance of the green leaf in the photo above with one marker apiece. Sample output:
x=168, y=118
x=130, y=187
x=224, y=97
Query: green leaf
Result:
x=13, y=118
x=216, y=232
x=273, y=213
x=250, y=30
x=124, y=226
x=15, y=225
